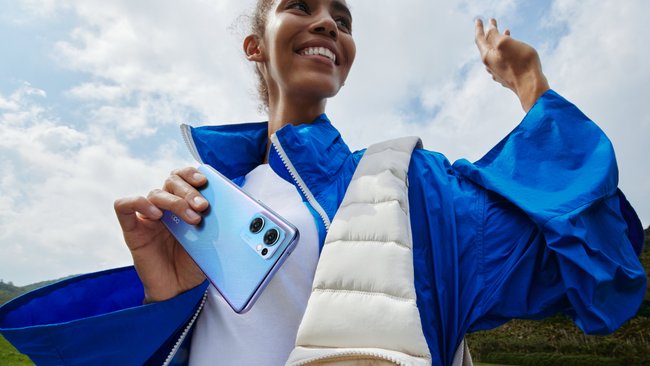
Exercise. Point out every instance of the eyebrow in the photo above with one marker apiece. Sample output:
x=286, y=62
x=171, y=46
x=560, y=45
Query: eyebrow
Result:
x=340, y=6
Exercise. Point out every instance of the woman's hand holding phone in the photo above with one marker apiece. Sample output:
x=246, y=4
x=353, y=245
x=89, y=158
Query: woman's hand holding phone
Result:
x=164, y=267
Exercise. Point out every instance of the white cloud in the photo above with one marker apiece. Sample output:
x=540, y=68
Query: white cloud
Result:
x=41, y=8
x=173, y=58
x=8, y=104
x=98, y=91
x=58, y=184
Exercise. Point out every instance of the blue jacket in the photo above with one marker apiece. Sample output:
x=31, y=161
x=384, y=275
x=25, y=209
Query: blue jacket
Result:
x=535, y=227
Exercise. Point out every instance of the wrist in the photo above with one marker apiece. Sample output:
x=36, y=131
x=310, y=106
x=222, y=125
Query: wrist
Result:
x=530, y=87
x=158, y=295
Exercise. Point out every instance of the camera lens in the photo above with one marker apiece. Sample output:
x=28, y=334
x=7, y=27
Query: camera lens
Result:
x=271, y=236
x=256, y=225
x=265, y=251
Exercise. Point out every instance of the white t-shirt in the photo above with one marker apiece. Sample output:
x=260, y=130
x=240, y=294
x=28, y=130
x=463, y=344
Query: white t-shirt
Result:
x=266, y=334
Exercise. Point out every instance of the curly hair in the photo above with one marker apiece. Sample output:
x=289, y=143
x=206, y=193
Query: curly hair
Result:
x=258, y=25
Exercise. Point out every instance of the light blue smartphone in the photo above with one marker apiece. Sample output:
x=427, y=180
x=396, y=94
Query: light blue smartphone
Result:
x=239, y=244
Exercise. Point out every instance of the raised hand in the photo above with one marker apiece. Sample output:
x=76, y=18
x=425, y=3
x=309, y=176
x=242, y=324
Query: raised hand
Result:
x=512, y=63
x=164, y=267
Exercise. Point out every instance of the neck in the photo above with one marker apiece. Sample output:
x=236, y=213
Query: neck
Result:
x=291, y=112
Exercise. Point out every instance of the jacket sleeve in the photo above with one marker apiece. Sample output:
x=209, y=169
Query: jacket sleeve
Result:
x=95, y=319
x=557, y=234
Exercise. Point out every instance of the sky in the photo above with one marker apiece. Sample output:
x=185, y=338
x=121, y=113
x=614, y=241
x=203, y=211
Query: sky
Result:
x=92, y=93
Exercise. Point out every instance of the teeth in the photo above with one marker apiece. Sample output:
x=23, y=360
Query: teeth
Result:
x=321, y=51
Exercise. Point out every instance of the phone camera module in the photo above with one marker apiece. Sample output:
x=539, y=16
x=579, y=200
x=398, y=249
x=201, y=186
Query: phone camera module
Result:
x=265, y=251
x=271, y=237
x=256, y=225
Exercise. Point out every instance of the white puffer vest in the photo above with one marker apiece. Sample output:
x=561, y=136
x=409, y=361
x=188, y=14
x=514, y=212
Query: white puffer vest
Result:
x=362, y=309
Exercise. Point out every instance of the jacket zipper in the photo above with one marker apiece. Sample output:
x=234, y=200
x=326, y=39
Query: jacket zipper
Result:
x=186, y=132
x=183, y=335
x=301, y=184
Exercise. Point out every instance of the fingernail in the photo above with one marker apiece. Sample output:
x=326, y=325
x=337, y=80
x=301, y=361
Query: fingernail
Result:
x=199, y=201
x=192, y=215
x=477, y=18
x=197, y=176
x=155, y=211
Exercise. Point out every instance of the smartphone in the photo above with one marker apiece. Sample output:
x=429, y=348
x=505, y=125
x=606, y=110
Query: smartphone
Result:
x=239, y=244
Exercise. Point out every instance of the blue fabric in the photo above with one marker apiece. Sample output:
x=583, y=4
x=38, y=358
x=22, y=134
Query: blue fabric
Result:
x=233, y=150
x=535, y=227
x=94, y=319
x=559, y=169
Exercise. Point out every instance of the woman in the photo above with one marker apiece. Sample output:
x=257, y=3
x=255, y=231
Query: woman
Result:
x=538, y=218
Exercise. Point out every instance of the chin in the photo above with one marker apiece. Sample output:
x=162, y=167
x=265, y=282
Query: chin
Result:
x=317, y=89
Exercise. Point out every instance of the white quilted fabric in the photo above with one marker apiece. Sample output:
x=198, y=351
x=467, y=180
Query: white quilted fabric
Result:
x=362, y=309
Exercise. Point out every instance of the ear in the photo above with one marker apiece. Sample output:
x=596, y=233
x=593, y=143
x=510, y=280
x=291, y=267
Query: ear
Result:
x=252, y=48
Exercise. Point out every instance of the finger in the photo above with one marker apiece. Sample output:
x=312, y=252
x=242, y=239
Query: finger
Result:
x=178, y=186
x=194, y=177
x=191, y=175
x=127, y=209
x=479, y=31
x=507, y=32
x=479, y=34
x=179, y=206
x=492, y=30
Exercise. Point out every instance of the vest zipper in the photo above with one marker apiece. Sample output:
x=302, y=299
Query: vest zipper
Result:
x=186, y=132
x=183, y=335
x=350, y=354
x=298, y=180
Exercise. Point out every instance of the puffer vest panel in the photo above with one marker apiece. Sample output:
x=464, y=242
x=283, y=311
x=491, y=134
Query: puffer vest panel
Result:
x=363, y=309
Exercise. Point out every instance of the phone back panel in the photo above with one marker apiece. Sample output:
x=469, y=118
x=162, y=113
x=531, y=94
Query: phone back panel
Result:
x=224, y=246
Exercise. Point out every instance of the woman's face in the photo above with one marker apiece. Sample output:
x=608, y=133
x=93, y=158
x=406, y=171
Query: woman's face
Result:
x=307, y=50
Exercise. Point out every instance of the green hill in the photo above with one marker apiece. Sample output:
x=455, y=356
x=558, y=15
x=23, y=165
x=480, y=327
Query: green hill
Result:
x=8, y=291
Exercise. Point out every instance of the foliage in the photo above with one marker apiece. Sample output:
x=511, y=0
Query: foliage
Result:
x=8, y=291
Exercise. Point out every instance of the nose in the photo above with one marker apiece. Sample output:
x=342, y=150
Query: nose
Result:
x=326, y=26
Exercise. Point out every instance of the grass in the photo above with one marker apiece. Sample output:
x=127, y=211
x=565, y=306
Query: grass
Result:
x=9, y=356
x=557, y=341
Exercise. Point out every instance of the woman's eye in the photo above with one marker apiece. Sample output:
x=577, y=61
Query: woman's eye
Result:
x=344, y=24
x=299, y=5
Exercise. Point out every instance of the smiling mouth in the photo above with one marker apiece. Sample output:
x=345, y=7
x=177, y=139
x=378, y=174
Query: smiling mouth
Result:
x=318, y=51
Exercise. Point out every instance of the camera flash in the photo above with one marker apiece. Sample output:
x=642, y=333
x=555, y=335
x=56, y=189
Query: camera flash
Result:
x=259, y=247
